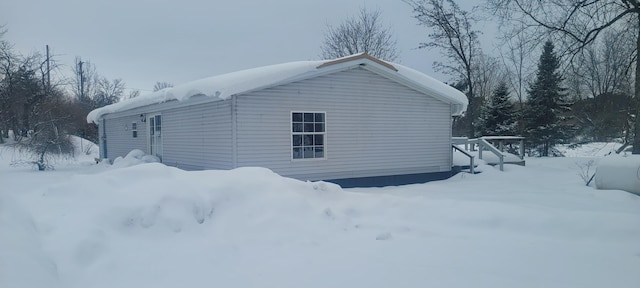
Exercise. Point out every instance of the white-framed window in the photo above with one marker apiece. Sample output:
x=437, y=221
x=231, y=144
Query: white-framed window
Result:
x=134, y=130
x=308, y=135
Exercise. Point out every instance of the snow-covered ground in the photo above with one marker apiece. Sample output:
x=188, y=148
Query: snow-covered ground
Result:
x=135, y=224
x=593, y=149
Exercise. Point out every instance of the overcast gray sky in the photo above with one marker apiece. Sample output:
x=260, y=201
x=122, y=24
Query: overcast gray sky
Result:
x=144, y=41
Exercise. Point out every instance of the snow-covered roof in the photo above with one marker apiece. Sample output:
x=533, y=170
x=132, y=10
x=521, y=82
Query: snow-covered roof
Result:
x=226, y=85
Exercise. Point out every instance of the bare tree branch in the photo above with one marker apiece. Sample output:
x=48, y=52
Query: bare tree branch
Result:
x=451, y=31
x=578, y=24
x=362, y=33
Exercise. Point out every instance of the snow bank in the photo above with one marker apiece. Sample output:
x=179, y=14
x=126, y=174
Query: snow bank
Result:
x=619, y=172
x=149, y=225
x=134, y=157
x=23, y=262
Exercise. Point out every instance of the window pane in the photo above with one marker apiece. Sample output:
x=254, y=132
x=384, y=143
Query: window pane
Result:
x=134, y=126
x=308, y=140
x=308, y=127
x=297, y=127
x=308, y=117
x=319, y=140
x=158, y=121
x=308, y=152
x=297, y=153
x=319, y=152
x=319, y=117
x=297, y=140
x=135, y=134
x=319, y=127
x=296, y=117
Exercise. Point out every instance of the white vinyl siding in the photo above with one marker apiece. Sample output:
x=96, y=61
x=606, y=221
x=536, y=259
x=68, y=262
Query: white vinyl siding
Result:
x=378, y=127
x=375, y=127
x=198, y=137
x=194, y=137
x=119, y=137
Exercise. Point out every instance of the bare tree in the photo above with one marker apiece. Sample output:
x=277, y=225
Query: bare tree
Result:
x=606, y=64
x=20, y=90
x=602, y=73
x=161, y=85
x=362, y=33
x=49, y=135
x=576, y=25
x=516, y=58
x=486, y=76
x=133, y=94
x=452, y=32
x=108, y=92
x=515, y=54
x=31, y=107
x=8, y=64
x=92, y=91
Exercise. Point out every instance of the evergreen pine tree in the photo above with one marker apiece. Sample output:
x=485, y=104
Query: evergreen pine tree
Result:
x=546, y=105
x=498, y=114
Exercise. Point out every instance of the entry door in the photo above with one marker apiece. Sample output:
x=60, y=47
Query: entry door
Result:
x=155, y=135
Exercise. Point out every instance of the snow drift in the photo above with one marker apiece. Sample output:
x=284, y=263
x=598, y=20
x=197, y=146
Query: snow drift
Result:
x=138, y=224
x=619, y=172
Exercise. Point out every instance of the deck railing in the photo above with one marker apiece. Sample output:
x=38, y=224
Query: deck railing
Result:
x=483, y=144
x=471, y=157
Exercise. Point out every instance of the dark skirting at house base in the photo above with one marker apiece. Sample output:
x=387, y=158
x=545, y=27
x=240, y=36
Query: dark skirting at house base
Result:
x=392, y=180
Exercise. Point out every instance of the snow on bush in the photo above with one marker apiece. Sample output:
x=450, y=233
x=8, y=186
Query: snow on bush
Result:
x=134, y=157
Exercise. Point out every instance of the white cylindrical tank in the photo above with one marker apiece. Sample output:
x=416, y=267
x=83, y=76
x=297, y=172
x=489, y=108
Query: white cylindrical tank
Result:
x=619, y=172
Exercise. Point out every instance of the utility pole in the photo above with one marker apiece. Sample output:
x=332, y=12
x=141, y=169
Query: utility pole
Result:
x=48, y=71
x=81, y=74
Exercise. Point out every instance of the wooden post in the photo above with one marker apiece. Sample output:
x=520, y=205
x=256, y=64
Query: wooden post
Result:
x=521, y=149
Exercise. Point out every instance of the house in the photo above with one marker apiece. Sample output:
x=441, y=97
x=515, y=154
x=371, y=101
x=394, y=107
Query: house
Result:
x=356, y=121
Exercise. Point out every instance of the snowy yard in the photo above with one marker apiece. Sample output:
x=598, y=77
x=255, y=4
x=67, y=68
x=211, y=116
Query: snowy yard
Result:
x=148, y=225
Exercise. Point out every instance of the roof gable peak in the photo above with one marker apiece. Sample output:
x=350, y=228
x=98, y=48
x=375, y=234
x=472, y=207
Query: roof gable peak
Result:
x=356, y=57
